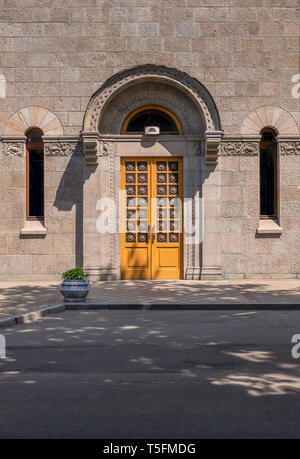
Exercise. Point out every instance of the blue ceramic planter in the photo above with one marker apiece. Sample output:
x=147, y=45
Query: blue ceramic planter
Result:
x=74, y=290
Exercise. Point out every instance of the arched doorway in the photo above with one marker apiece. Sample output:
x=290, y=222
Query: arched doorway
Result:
x=182, y=118
x=151, y=204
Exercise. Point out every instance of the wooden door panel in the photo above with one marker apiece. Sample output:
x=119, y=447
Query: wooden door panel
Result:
x=167, y=217
x=168, y=257
x=135, y=217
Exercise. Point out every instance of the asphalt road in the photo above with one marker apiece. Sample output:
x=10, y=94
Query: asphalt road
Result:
x=152, y=374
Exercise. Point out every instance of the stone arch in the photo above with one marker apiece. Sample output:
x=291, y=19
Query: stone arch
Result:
x=149, y=93
x=269, y=116
x=30, y=117
x=189, y=86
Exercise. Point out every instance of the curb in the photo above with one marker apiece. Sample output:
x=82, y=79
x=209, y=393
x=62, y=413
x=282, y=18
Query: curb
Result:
x=61, y=307
x=186, y=307
x=31, y=316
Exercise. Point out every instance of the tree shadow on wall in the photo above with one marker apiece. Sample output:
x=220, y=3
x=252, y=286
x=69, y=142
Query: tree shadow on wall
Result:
x=70, y=194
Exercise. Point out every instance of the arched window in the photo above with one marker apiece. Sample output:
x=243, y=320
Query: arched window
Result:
x=151, y=115
x=268, y=174
x=35, y=174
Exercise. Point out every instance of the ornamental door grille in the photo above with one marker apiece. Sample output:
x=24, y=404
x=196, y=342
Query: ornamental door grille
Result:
x=151, y=216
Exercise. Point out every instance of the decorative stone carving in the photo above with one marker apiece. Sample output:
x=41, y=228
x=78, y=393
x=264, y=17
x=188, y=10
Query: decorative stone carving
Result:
x=63, y=149
x=30, y=117
x=105, y=148
x=212, y=146
x=151, y=93
x=188, y=85
x=150, y=73
x=12, y=149
x=239, y=148
x=113, y=238
x=289, y=148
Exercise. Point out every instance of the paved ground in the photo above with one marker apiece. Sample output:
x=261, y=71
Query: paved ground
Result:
x=25, y=296
x=189, y=292
x=152, y=374
x=20, y=297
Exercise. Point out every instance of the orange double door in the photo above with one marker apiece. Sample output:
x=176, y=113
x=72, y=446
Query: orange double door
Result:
x=151, y=218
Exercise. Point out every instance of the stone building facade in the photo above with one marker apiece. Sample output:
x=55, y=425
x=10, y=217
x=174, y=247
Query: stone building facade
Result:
x=226, y=71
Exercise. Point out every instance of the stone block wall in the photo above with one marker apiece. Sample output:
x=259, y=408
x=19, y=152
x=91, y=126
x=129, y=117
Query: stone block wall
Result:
x=15, y=256
x=245, y=252
x=25, y=256
x=56, y=54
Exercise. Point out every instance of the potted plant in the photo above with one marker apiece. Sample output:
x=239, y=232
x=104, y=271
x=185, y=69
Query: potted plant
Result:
x=75, y=285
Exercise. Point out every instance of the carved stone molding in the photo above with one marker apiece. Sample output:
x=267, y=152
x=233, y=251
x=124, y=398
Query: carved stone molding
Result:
x=289, y=148
x=193, y=273
x=212, y=146
x=105, y=148
x=174, y=77
x=113, y=194
x=63, y=149
x=12, y=149
x=211, y=273
x=101, y=274
x=239, y=148
x=189, y=86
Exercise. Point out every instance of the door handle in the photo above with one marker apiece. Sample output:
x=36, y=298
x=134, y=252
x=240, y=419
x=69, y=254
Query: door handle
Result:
x=153, y=233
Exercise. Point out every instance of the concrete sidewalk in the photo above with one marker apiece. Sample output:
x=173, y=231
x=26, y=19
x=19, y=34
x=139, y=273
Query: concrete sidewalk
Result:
x=24, y=297
x=269, y=291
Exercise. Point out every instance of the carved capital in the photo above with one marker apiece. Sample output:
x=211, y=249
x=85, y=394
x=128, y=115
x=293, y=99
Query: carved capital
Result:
x=239, y=148
x=90, y=148
x=212, y=146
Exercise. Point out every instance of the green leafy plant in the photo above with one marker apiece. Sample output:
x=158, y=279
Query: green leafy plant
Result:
x=75, y=274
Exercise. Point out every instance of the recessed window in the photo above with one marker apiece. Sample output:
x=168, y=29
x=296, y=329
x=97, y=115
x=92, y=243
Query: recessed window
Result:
x=152, y=115
x=268, y=174
x=35, y=175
